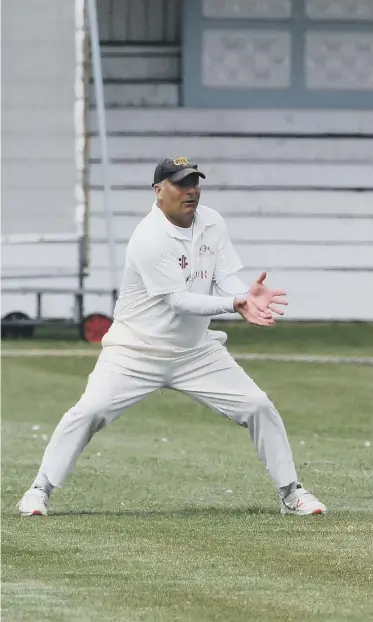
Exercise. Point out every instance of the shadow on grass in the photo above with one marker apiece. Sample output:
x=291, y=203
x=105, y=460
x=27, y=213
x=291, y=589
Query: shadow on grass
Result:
x=184, y=512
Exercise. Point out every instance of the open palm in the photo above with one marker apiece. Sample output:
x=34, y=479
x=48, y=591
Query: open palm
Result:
x=266, y=299
x=260, y=303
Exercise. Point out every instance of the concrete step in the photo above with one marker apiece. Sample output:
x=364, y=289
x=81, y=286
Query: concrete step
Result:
x=118, y=94
x=200, y=122
x=303, y=204
x=304, y=285
x=236, y=148
x=315, y=295
x=254, y=229
x=272, y=256
x=134, y=50
x=141, y=62
x=245, y=175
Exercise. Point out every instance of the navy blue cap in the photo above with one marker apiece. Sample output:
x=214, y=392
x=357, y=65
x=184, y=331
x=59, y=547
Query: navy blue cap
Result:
x=175, y=169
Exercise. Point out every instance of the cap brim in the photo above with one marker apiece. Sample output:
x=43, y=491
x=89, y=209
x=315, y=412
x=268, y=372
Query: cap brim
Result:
x=179, y=175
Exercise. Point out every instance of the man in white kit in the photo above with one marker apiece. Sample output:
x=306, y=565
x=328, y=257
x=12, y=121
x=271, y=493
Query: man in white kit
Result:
x=180, y=270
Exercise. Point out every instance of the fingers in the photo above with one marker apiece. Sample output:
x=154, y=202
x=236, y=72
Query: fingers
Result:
x=279, y=292
x=276, y=310
x=262, y=277
x=259, y=303
x=257, y=317
x=266, y=313
x=263, y=304
x=280, y=301
x=259, y=321
x=272, y=305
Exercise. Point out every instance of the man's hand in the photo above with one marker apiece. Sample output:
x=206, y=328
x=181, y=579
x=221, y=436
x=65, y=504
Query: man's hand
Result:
x=260, y=303
x=266, y=299
x=246, y=308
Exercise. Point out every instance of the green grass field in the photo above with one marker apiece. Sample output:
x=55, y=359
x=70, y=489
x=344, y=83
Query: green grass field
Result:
x=170, y=516
x=337, y=338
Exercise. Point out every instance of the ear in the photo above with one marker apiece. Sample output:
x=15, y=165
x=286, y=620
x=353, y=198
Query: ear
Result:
x=157, y=189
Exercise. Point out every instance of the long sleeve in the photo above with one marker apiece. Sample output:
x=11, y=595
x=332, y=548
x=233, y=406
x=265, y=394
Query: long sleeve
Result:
x=199, y=304
x=231, y=285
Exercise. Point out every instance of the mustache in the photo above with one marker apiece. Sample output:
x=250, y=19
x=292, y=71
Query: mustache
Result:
x=191, y=200
x=192, y=197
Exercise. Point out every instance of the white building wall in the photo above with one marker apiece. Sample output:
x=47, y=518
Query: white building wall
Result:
x=38, y=142
x=38, y=68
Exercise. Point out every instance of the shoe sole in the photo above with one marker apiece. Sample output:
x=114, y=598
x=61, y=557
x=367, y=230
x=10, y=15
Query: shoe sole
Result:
x=317, y=512
x=33, y=513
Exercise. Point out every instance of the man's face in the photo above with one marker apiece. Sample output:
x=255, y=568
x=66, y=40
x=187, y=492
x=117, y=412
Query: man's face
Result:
x=179, y=201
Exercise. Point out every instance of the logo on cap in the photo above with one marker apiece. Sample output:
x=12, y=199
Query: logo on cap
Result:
x=180, y=161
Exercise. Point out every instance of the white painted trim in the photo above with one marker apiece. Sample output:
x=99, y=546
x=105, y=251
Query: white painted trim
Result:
x=205, y=121
x=79, y=117
x=37, y=238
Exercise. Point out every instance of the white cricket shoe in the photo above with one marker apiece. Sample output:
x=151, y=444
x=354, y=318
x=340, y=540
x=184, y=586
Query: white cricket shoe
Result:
x=301, y=502
x=33, y=503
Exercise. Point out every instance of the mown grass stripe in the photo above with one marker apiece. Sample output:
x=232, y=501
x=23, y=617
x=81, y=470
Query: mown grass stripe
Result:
x=254, y=356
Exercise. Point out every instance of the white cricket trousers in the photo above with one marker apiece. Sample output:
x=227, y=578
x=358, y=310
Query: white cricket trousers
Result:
x=210, y=375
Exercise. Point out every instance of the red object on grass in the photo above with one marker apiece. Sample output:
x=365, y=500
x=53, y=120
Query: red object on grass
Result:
x=94, y=327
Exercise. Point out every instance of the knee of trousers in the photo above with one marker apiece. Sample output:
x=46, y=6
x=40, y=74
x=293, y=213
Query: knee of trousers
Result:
x=90, y=415
x=251, y=408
